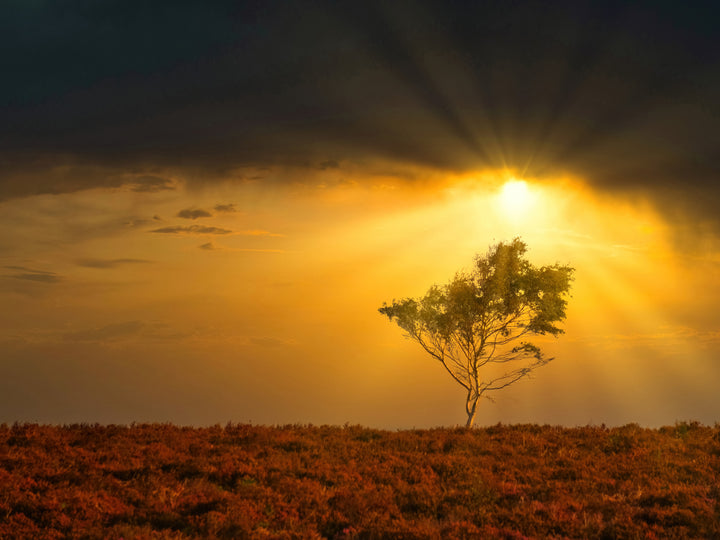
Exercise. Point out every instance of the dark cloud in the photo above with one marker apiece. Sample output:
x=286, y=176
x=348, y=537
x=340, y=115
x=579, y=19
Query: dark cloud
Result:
x=193, y=213
x=230, y=207
x=28, y=274
x=623, y=94
x=329, y=164
x=209, y=246
x=192, y=229
x=108, y=263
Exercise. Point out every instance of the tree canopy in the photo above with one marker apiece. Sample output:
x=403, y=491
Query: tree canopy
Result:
x=484, y=316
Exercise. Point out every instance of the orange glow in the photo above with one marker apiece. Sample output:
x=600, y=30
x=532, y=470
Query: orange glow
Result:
x=286, y=305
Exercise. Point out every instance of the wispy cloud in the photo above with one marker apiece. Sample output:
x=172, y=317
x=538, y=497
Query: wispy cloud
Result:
x=329, y=164
x=29, y=274
x=193, y=213
x=269, y=341
x=230, y=207
x=110, y=332
x=210, y=246
x=192, y=229
x=257, y=232
x=260, y=250
x=108, y=263
x=202, y=229
x=150, y=184
x=667, y=337
x=135, y=223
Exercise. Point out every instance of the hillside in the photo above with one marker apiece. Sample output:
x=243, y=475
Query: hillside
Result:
x=245, y=481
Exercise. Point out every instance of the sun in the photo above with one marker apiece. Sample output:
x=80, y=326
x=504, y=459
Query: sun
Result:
x=515, y=198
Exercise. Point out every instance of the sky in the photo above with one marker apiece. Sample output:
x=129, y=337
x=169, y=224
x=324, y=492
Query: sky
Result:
x=204, y=204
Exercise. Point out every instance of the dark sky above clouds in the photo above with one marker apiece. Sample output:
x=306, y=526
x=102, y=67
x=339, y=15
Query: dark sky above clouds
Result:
x=623, y=94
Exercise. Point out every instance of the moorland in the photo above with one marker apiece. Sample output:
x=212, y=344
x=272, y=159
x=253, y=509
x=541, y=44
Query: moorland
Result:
x=247, y=481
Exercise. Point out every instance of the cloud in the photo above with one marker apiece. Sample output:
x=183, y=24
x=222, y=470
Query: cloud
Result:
x=28, y=274
x=135, y=223
x=672, y=336
x=151, y=184
x=268, y=341
x=110, y=332
x=210, y=246
x=108, y=263
x=329, y=164
x=258, y=232
x=201, y=229
x=623, y=99
x=192, y=229
x=225, y=207
x=44, y=278
x=193, y=213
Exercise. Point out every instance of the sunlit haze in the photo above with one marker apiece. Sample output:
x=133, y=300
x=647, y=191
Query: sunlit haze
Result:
x=264, y=309
x=203, y=206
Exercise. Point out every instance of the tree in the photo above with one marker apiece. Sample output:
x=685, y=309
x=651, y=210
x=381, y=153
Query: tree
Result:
x=480, y=317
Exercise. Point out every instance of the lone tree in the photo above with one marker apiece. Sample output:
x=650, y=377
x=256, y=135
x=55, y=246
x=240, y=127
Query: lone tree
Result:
x=480, y=316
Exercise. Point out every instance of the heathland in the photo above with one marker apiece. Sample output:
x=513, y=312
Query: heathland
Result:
x=246, y=481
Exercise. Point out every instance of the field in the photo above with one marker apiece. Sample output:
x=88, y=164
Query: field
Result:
x=245, y=481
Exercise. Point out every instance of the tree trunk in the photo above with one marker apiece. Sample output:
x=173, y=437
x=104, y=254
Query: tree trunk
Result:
x=470, y=408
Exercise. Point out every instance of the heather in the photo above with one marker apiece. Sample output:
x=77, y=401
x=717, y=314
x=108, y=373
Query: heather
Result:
x=247, y=481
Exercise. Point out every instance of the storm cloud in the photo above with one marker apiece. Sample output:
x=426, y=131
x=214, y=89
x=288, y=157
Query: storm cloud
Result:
x=621, y=94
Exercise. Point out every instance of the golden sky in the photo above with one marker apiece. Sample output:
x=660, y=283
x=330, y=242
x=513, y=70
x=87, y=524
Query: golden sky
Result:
x=257, y=301
x=204, y=204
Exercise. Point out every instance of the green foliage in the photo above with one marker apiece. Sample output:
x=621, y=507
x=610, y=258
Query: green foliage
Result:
x=481, y=316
